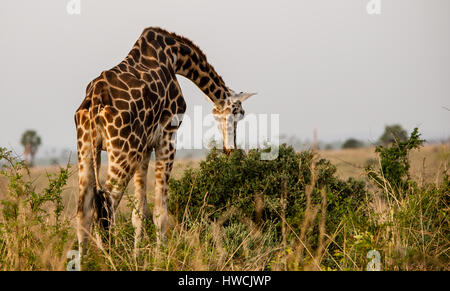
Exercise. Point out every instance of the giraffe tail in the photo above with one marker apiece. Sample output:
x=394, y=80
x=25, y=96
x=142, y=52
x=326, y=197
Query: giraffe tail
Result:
x=102, y=201
x=102, y=208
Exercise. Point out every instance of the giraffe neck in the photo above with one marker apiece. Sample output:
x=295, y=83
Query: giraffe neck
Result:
x=189, y=61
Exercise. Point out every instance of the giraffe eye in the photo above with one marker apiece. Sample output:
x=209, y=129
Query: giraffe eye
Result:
x=235, y=111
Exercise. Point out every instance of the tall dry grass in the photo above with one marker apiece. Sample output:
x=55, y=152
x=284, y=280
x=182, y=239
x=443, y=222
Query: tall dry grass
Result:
x=411, y=231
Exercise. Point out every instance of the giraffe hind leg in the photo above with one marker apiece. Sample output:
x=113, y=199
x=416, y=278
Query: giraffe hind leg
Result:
x=86, y=181
x=85, y=203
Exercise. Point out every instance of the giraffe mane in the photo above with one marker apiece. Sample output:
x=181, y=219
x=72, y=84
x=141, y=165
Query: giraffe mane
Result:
x=180, y=38
x=187, y=42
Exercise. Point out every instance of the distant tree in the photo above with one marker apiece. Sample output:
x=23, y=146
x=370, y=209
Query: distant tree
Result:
x=393, y=133
x=31, y=142
x=352, y=143
x=329, y=146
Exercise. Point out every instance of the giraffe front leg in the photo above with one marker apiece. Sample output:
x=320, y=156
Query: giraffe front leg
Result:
x=140, y=208
x=164, y=157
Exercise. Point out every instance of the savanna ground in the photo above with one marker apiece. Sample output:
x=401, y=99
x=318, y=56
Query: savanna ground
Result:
x=410, y=229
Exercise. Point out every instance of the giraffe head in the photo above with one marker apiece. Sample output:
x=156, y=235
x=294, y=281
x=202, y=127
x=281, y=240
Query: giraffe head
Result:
x=227, y=117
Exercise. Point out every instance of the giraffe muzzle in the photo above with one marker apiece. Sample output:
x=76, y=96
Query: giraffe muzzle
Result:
x=228, y=151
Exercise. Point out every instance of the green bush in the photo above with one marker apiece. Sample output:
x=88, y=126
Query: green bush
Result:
x=395, y=164
x=413, y=235
x=236, y=183
x=33, y=233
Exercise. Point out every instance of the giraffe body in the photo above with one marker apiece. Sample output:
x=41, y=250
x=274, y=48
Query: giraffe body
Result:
x=135, y=109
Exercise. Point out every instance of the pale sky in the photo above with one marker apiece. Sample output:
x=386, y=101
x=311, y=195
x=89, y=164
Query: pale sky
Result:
x=322, y=64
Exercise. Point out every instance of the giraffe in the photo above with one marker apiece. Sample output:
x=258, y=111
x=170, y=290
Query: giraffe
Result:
x=135, y=109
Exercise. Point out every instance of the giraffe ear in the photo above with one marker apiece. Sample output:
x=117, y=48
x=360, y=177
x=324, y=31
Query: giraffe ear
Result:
x=243, y=96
